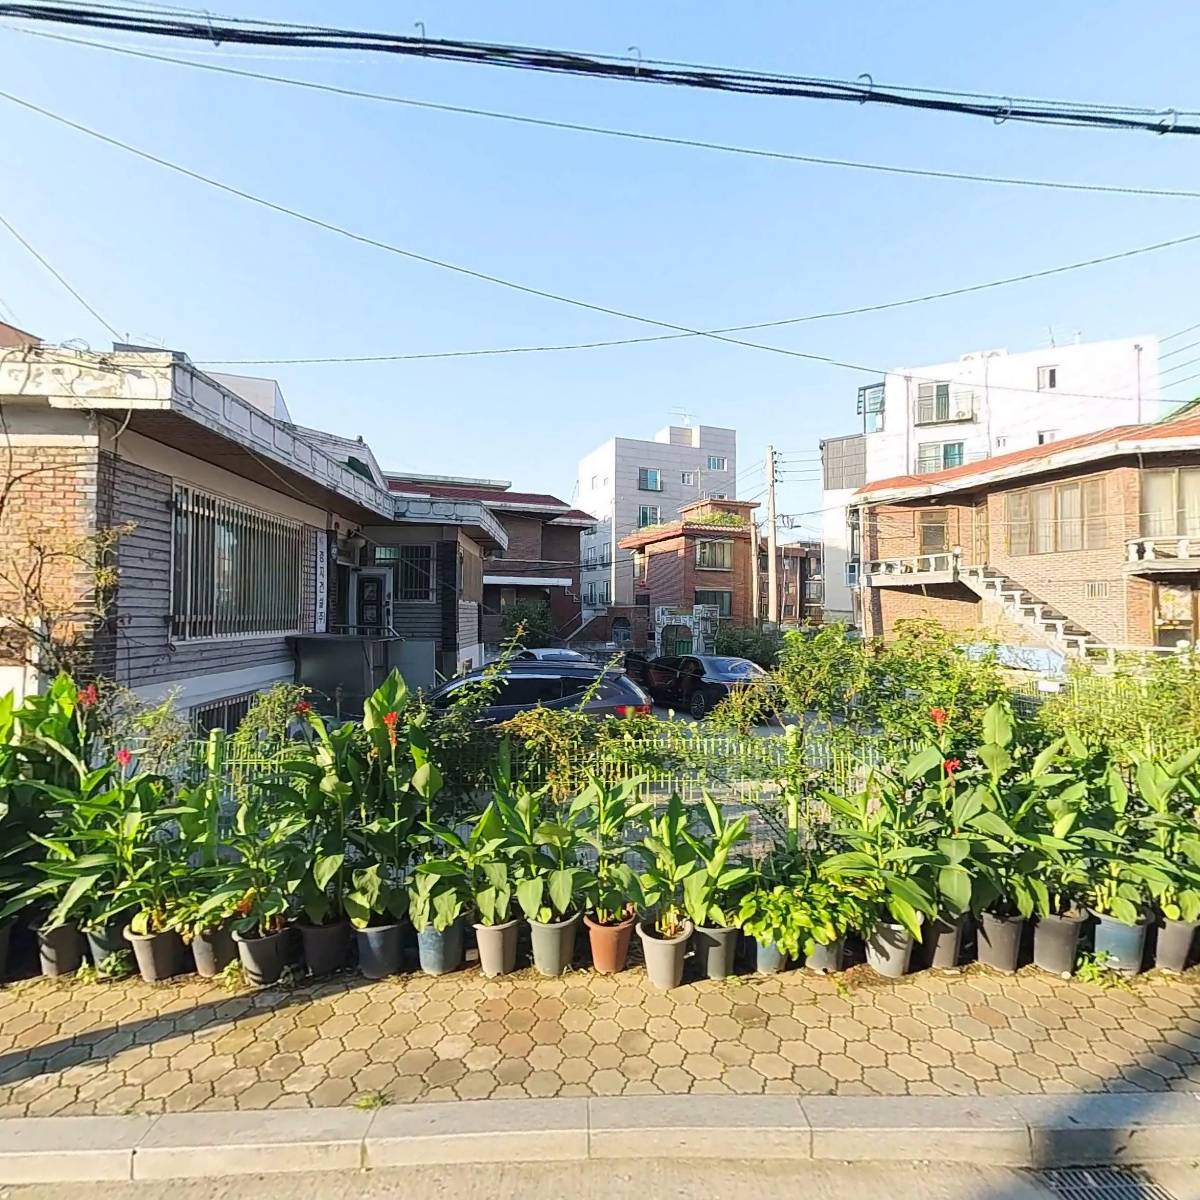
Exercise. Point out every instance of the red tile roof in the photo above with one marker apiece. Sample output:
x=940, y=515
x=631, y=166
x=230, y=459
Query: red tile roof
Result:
x=448, y=491
x=1185, y=428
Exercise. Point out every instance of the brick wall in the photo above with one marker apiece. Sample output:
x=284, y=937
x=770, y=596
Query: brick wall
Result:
x=49, y=503
x=672, y=577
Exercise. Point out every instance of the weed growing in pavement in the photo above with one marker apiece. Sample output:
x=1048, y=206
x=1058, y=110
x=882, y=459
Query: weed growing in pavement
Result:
x=369, y=1101
x=233, y=978
x=113, y=966
x=1097, y=969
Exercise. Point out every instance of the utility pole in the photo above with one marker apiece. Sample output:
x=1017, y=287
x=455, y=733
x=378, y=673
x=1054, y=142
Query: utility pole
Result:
x=755, y=576
x=772, y=547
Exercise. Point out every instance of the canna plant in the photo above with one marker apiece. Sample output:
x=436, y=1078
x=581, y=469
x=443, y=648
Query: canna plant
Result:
x=1167, y=857
x=670, y=859
x=711, y=891
x=605, y=813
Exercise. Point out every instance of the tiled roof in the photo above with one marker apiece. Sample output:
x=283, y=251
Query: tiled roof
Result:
x=1102, y=443
x=498, y=498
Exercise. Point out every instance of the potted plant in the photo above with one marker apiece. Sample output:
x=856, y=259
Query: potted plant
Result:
x=669, y=861
x=608, y=811
x=377, y=907
x=887, y=829
x=204, y=916
x=436, y=900
x=270, y=853
x=825, y=913
x=486, y=881
x=711, y=891
x=770, y=917
x=548, y=881
x=1169, y=855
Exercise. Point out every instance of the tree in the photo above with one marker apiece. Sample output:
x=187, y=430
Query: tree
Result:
x=528, y=621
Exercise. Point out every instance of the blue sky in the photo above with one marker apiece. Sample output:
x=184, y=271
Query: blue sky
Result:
x=682, y=235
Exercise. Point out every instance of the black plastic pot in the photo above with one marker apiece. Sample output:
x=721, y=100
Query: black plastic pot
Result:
x=5, y=940
x=263, y=958
x=106, y=941
x=380, y=950
x=60, y=950
x=1175, y=941
x=158, y=955
x=715, y=947
x=1056, y=942
x=326, y=947
x=999, y=942
x=213, y=950
x=942, y=941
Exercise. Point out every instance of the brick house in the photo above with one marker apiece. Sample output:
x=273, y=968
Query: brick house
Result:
x=248, y=550
x=704, y=559
x=541, y=560
x=1086, y=542
x=798, y=602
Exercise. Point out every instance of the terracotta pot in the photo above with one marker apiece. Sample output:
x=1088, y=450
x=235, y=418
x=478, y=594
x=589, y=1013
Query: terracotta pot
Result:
x=610, y=944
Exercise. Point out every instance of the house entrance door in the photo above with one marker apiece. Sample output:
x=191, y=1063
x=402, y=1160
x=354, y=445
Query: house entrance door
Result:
x=372, y=603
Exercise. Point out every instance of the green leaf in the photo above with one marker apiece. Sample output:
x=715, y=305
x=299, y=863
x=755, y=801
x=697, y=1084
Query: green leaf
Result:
x=954, y=883
x=997, y=727
x=561, y=887
x=920, y=763
x=529, y=897
x=326, y=867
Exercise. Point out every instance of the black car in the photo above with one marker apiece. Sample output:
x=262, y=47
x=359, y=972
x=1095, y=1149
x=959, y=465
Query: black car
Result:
x=547, y=684
x=693, y=682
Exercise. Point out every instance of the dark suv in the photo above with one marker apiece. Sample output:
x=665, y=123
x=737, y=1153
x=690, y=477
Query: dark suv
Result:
x=525, y=685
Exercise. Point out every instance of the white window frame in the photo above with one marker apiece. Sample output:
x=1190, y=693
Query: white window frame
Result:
x=649, y=508
x=852, y=574
x=1047, y=378
x=213, y=540
x=940, y=447
x=706, y=553
x=718, y=462
x=687, y=478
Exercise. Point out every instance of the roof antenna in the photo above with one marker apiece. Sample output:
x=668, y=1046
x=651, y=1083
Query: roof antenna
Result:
x=682, y=413
x=637, y=66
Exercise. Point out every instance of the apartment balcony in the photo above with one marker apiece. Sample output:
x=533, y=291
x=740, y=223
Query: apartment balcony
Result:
x=919, y=570
x=1162, y=555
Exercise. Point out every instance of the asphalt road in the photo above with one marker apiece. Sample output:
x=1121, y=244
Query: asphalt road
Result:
x=646, y=1180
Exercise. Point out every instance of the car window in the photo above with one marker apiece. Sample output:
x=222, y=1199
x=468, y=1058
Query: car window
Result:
x=451, y=691
x=574, y=685
x=691, y=666
x=528, y=689
x=525, y=656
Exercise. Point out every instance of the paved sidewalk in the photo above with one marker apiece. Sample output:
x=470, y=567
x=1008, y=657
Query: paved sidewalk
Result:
x=129, y=1047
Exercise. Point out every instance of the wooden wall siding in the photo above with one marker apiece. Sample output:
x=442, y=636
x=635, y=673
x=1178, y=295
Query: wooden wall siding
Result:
x=469, y=626
x=145, y=653
x=445, y=572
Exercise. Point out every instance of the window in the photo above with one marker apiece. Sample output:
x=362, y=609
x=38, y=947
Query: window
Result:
x=236, y=570
x=649, y=479
x=870, y=406
x=722, y=601
x=1059, y=517
x=1171, y=503
x=526, y=689
x=852, y=574
x=933, y=403
x=589, y=556
x=688, y=478
x=1099, y=589
x=589, y=594
x=814, y=591
x=717, y=463
x=1046, y=436
x=595, y=482
x=414, y=572
x=648, y=514
x=939, y=456
x=932, y=528
x=714, y=555
x=1174, y=614
x=1047, y=379
x=1001, y=441
x=605, y=592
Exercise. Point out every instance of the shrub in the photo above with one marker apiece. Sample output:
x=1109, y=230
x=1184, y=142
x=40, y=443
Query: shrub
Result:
x=528, y=621
x=744, y=641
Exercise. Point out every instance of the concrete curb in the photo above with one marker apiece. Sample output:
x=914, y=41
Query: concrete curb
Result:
x=1016, y=1131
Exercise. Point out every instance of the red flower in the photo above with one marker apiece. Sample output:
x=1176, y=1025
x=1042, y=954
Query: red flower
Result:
x=390, y=719
x=302, y=707
x=950, y=766
x=124, y=758
x=87, y=697
x=938, y=715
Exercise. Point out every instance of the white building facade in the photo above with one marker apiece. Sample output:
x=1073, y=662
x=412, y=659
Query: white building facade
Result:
x=922, y=419
x=629, y=483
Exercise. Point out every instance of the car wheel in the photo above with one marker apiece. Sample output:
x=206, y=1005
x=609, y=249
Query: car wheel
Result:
x=699, y=704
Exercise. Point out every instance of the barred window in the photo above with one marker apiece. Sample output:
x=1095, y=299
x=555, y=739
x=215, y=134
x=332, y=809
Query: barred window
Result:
x=236, y=570
x=415, y=574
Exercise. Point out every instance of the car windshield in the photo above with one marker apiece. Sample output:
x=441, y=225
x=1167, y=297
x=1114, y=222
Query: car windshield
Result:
x=732, y=667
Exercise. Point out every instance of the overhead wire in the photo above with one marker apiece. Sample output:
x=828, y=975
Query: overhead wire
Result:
x=1179, y=332
x=486, y=277
x=1000, y=109
x=1179, y=349
x=52, y=270
x=628, y=134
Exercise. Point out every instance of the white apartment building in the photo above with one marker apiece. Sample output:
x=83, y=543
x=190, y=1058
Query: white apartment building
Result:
x=629, y=483
x=922, y=419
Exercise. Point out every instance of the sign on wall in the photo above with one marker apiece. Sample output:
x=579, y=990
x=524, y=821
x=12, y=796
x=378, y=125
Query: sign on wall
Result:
x=321, y=624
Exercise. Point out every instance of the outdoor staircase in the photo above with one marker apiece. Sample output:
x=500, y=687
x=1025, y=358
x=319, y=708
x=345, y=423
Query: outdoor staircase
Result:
x=1040, y=618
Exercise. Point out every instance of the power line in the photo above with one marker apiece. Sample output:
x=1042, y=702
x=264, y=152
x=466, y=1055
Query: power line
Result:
x=1179, y=349
x=628, y=134
x=62, y=281
x=1187, y=362
x=1000, y=109
x=376, y=243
